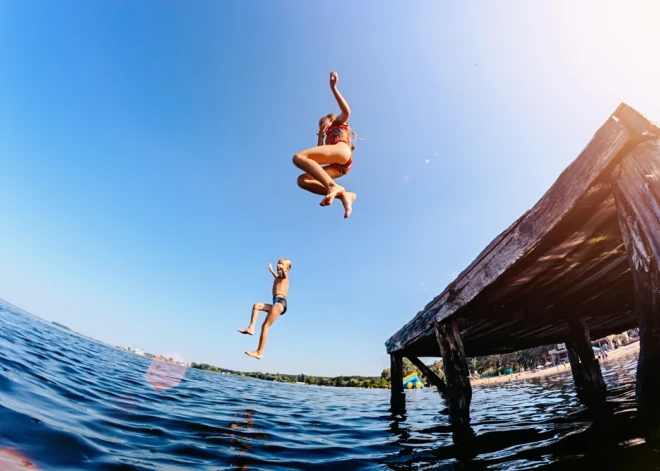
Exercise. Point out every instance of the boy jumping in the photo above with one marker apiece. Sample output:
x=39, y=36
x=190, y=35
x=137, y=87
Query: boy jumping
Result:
x=275, y=310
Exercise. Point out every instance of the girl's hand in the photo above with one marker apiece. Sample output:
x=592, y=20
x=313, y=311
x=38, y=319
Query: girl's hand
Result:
x=334, y=78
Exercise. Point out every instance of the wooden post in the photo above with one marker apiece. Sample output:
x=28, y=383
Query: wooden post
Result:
x=576, y=366
x=593, y=387
x=459, y=389
x=637, y=194
x=430, y=375
x=398, y=396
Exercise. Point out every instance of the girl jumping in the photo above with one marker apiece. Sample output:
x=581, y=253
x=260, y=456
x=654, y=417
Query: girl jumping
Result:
x=336, y=156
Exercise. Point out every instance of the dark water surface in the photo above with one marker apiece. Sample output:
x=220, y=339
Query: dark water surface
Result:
x=67, y=403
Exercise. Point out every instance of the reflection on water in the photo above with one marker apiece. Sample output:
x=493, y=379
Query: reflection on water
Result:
x=67, y=403
x=12, y=460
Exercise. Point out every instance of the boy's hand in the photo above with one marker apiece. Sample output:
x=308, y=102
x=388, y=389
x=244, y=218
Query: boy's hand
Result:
x=270, y=267
x=334, y=78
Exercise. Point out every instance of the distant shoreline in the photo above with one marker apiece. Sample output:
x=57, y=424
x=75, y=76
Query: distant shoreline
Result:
x=553, y=370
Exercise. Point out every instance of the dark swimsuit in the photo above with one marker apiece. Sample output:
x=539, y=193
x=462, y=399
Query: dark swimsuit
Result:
x=281, y=300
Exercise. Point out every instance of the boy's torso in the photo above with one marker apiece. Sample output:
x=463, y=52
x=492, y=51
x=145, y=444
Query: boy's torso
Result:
x=280, y=287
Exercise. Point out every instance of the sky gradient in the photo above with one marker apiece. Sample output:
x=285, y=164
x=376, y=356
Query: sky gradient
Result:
x=145, y=158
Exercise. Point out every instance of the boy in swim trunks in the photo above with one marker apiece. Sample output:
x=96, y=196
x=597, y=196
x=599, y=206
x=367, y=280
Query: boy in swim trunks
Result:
x=275, y=310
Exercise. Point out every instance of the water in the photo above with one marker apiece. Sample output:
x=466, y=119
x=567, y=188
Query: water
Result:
x=68, y=403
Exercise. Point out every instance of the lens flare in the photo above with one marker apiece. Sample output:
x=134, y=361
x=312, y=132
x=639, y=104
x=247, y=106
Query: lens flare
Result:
x=166, y=371
x=12, y=460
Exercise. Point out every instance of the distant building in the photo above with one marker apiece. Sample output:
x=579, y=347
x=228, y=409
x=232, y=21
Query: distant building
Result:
x=559, y=354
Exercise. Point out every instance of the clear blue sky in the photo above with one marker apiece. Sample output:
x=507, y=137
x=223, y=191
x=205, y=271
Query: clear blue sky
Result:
x=145, y=158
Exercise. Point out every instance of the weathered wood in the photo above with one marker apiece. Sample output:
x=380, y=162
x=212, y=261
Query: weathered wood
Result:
x=552, y=257
x=398, y=396
x=485, y=336
x=428, y=373
x=576, y=366
x=592, y=386
x=459, y=389
x=638, y=203
x=521, y=238
x=636, y=122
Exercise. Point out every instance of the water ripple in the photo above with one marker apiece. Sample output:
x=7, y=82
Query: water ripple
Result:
x=68, y=403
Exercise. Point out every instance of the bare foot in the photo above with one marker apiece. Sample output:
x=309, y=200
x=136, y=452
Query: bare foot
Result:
x=334, y=192
x=246, y=331
x=254, y=354
x=347, y=199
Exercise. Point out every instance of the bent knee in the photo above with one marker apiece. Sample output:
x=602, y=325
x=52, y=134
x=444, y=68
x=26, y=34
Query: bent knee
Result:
x=297, y=158
x=302, y=180
x=258, y=306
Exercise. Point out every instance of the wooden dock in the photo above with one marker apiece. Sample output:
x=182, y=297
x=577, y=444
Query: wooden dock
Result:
x=582, y=263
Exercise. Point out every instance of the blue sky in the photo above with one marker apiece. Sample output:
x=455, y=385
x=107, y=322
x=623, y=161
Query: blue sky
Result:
x=145, y=158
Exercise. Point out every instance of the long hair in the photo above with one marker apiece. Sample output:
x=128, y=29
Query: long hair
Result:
x=352, y=134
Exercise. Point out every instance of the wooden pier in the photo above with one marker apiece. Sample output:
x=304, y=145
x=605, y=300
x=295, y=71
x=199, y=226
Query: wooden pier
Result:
x=583, y=263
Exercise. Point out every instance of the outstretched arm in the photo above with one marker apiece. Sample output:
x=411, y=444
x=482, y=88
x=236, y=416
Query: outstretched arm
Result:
x=345, y=110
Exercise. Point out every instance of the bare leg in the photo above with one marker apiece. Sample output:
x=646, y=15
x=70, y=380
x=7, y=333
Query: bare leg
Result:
x=310, y=161
x=309, y=183
x=255, y=315
x=274, y=313
x=347, y=198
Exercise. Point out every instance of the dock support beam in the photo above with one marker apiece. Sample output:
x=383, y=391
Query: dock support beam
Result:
x=459, y=389
x=576, y=366
x=637, y=194
x=592, y=386
x=398, y=397
x=430, y=375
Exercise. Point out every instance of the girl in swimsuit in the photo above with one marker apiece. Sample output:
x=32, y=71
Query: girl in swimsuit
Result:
x=335, y=154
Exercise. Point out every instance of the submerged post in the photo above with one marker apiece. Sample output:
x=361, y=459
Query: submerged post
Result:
x=398, y=397
x=576, y=366
x=459, y=389
x=637, y=194
x=592, y=387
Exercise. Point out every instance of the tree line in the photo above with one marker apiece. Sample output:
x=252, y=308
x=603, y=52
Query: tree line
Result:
x=486, y=366
x=342, y=381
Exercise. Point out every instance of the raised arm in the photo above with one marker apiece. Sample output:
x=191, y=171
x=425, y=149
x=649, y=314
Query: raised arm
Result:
x=270, y=269
x=345, y=110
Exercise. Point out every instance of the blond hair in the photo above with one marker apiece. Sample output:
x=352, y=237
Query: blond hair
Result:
x=286, y=262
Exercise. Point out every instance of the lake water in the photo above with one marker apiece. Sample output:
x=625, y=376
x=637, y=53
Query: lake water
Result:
x=68, y=403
